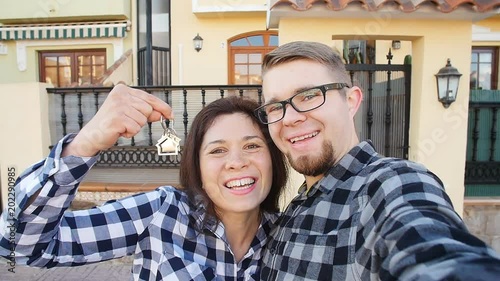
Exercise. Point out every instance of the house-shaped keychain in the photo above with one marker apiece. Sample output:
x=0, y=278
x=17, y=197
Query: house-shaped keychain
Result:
x=169, y=143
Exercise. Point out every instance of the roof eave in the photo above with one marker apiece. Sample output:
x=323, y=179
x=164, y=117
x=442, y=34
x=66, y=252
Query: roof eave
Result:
x=275, y=14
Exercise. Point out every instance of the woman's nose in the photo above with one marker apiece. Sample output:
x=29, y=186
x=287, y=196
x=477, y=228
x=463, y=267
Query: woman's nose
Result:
x=236, y=160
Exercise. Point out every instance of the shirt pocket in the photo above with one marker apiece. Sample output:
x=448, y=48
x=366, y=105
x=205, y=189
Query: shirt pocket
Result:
x=175, y=267
x=312, y=246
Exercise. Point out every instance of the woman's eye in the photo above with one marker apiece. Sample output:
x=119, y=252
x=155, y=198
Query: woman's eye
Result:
x=253, y=146
x=216, y=151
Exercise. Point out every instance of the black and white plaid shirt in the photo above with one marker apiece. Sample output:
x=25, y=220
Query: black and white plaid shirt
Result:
x=375, y=218
x=157, y=226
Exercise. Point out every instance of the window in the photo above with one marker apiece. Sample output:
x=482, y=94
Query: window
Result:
x=246, y=52
x=484, y=68
x=72, y=68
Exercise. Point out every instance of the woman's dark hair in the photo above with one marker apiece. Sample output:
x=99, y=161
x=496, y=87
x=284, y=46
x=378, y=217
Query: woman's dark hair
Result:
x=190, y=173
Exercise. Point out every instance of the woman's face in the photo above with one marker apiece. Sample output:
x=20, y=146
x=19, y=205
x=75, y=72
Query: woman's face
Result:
x=235, y=163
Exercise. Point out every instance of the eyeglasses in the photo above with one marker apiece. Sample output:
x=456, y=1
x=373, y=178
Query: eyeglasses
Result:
x=303, y=101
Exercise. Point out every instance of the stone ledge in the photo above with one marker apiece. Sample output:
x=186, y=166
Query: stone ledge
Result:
x=483, y=201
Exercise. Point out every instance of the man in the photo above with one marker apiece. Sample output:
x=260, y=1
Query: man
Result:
x=358, y=216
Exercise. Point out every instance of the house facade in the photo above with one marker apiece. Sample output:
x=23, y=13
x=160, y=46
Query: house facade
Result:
x=85, y=44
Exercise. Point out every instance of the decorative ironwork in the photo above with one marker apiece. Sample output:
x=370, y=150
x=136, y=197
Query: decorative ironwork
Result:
x=186, y=101
x=139, y=150
x=482, y=166
x=482, y=172
x=136, y=157
x=387, y=108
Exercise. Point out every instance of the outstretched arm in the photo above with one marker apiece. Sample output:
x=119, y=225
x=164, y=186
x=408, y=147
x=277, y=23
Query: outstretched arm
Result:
x=417, y=235
x=124, y=112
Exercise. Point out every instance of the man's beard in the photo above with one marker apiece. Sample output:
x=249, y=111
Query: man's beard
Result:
x=314, y=166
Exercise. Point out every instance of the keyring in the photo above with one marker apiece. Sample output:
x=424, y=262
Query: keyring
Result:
x=169, y=142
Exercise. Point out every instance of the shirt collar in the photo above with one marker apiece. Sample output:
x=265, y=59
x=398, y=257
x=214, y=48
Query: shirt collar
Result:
x=349, y=165
x=200, y=212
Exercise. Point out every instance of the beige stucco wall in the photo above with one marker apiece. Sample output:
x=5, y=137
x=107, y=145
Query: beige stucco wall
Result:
x=209, y=66
x=25, y=129
x=437, y=135
x=38, y=12
x=29, y=11
x=8, y=63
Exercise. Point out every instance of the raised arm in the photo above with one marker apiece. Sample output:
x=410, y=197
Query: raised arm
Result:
x=46, y=237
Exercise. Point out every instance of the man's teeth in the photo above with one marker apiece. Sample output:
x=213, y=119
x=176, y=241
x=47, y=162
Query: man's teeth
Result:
x=303, y=137
x=240, y=184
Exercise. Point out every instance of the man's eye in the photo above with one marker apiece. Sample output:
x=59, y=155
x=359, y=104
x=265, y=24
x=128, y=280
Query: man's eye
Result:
x=310, y=94
x=274, y=107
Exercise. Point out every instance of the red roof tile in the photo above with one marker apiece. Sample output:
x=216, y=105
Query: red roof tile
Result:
x=407, y=6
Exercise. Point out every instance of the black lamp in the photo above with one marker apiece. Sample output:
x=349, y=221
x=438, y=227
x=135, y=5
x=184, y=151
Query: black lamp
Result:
x=198, y=42
x=447, y=79
x=396, y=44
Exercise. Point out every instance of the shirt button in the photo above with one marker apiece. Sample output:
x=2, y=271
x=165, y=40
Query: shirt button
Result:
x=272, y=251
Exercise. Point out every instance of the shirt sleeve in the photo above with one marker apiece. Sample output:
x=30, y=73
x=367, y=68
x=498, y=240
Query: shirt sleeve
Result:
x=417, y=235
x=47, y=235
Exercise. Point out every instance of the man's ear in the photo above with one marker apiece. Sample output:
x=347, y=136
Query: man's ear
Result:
x=354, y=98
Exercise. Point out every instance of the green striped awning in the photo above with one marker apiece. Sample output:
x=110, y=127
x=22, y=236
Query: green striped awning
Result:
x=64, y=31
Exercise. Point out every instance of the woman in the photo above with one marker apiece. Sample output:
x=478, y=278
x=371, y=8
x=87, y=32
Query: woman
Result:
x=212, y=229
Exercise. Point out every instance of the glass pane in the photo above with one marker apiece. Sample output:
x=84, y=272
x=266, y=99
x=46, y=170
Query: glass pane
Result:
x=255, y=74
x=50, y=61
x=485, y=57
x=473, y=76
x=273, y=40
x=241, y=69
x=255, y=69
x=65, y=76
x=257, y=40
x=84, y=75
x=474, y=57
x=255, y=80
x=484, y=78
x=64, y=61
x=255, y=58
x=240, y=42
x=98, y=72
x=51, y=76
x=84, y=60
x=241, y=79
x=98, y=59
x=240, y=58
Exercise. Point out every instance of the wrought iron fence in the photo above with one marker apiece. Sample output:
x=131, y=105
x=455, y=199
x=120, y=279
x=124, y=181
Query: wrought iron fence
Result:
x=72, y=108
x=483, y=145
x=383, y=116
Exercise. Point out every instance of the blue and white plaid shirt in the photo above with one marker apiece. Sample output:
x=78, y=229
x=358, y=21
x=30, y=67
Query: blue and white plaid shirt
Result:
x=375, y=218
x=158, y=227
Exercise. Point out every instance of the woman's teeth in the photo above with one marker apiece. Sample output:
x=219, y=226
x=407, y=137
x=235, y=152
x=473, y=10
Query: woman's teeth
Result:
x=240, y=184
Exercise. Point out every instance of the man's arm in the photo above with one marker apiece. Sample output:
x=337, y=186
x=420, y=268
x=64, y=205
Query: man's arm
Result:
x=419, y=236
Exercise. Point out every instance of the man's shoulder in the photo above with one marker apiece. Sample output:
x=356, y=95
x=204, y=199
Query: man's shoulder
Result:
x=391, y=173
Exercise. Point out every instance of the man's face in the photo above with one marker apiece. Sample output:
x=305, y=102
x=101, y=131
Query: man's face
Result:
x=315, y=140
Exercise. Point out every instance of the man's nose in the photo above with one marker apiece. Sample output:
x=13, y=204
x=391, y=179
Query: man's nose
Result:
x=292, y=116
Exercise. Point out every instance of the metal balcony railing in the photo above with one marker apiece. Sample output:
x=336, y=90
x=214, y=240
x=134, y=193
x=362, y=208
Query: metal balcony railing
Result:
x=72, y=108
